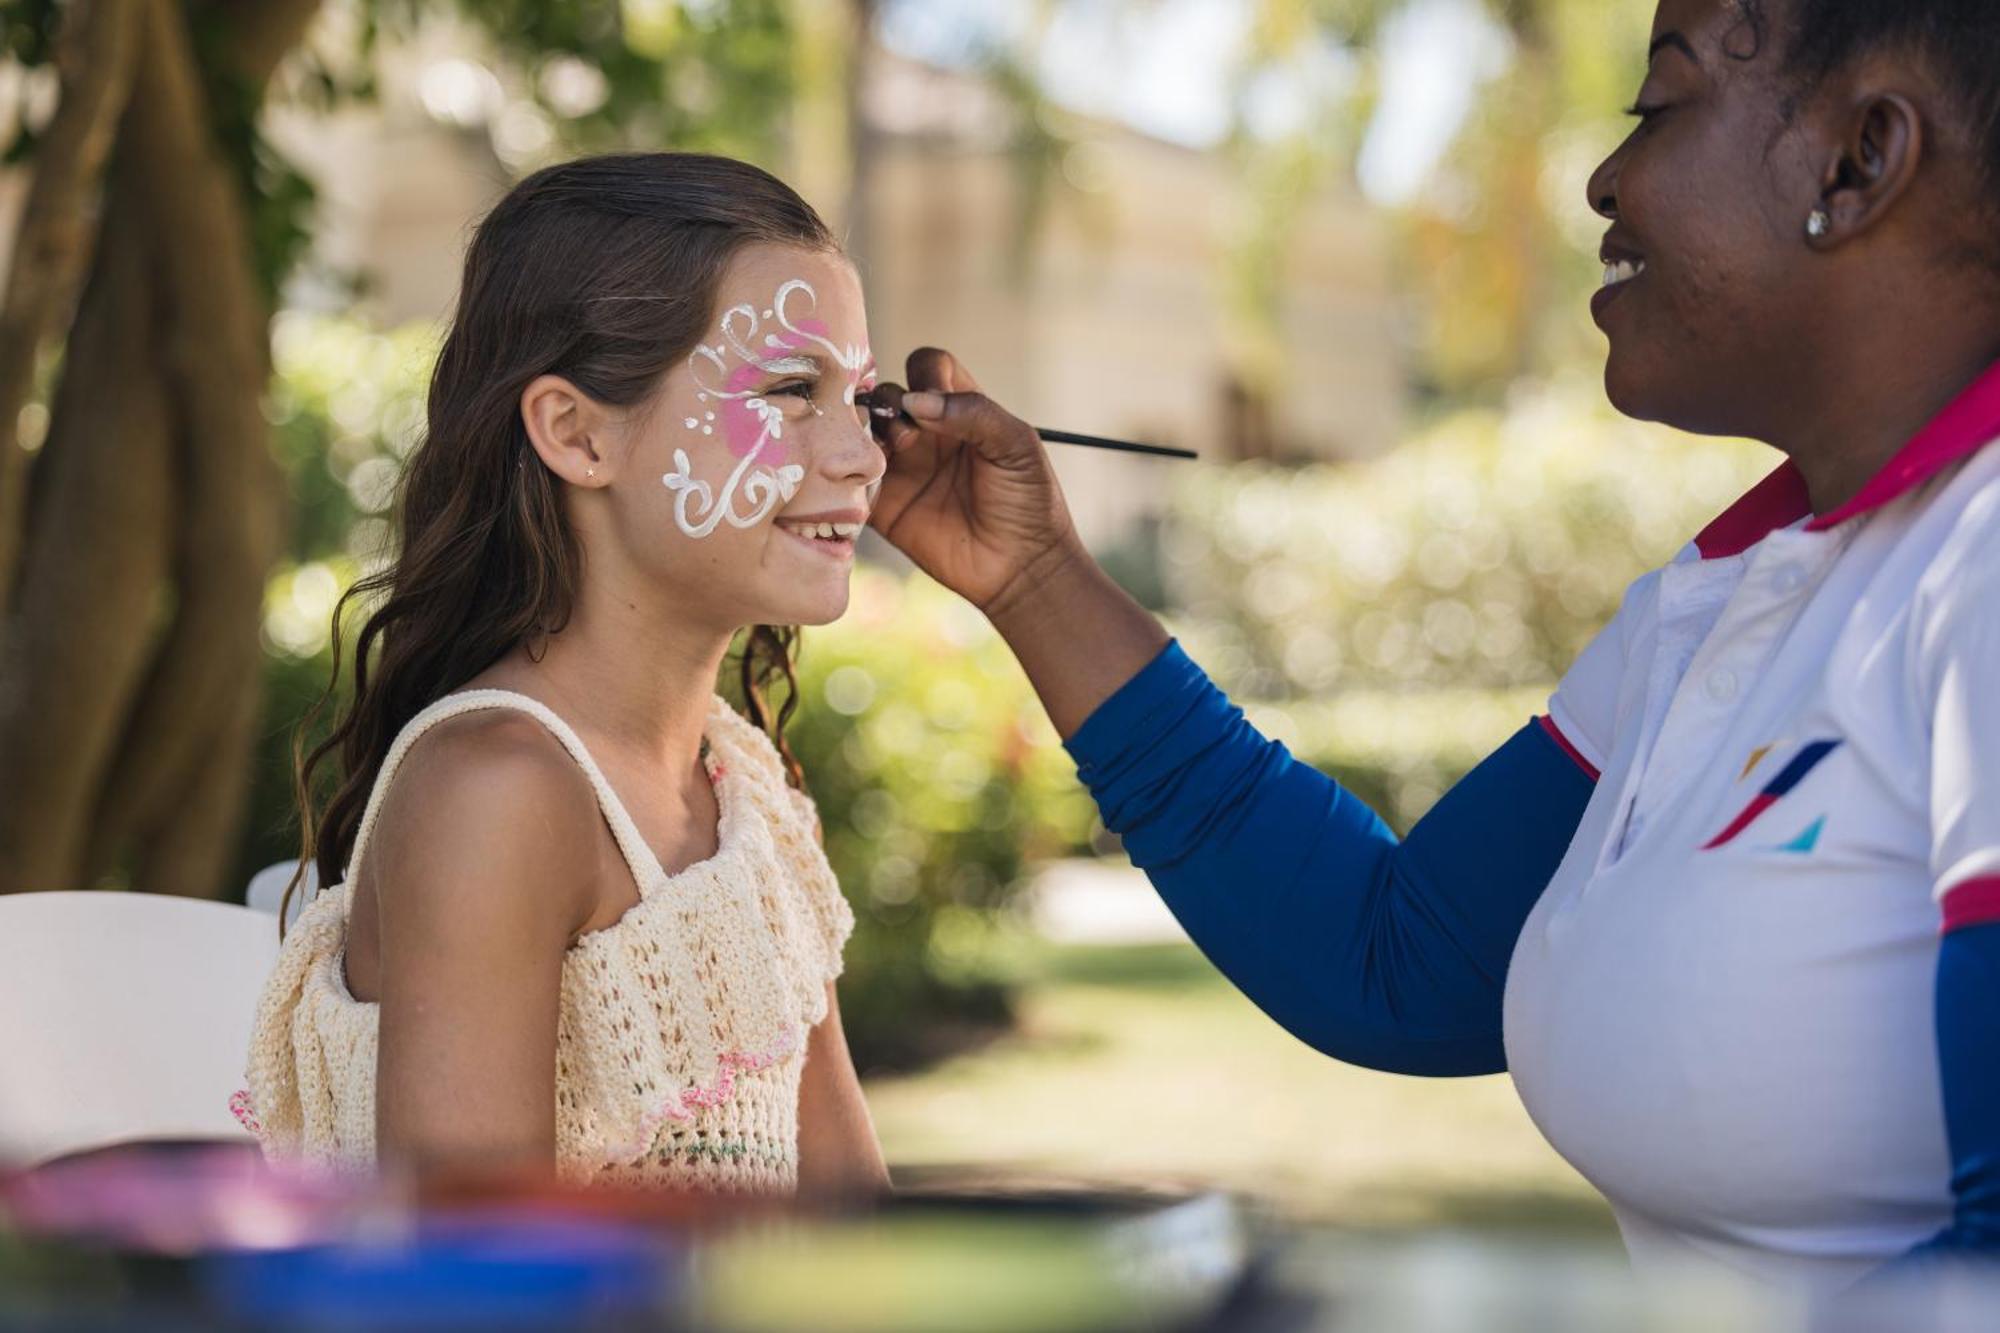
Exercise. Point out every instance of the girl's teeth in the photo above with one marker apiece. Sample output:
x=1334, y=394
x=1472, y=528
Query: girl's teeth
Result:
x=825, y=531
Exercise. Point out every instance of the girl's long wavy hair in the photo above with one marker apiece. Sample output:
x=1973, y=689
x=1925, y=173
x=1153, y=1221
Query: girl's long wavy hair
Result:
x=486, y=558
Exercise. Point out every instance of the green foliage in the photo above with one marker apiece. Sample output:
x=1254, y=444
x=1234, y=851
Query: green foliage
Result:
x=1399, y=752
x=1495, y=252
x=1395, y=620
x=27, y=39
x=292, y=685
x=938, y=783
x=28, y=31
x=655, y=74
x=1485, y=553
x=712, y=76
x=346, y=404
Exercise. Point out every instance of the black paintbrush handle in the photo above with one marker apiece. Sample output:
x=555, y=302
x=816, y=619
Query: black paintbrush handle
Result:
x=1122, y=446
x=1053, y=436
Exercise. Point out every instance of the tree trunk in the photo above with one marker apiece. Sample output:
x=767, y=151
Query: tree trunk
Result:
x=99, y=537
x=100, y=40
x=215, y=353
x=125, y=734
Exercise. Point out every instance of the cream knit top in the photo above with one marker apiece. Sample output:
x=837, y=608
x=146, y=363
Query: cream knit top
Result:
x=681, y=1035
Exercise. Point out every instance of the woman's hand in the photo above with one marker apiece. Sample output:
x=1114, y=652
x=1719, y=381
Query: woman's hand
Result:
x=970, y=497
x=969, y=494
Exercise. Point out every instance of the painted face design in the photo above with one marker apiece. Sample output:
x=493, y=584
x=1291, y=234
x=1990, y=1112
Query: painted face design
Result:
x=753, y=348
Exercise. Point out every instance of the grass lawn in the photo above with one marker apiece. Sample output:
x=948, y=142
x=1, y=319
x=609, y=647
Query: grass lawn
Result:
x=1140, y=1065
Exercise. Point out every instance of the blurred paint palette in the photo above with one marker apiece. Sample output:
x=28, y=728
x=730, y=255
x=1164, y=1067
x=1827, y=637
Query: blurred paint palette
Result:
x=176, y=1236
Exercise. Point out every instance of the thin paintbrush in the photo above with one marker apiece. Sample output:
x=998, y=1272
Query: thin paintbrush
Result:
x=1123, y=446
x=1054, y=436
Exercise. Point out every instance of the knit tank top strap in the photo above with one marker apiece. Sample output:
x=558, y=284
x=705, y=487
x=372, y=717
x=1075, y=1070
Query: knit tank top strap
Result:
x=645, y=867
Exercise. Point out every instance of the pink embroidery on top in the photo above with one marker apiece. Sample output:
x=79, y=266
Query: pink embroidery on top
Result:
x=240, y=1106
x=683, y=1106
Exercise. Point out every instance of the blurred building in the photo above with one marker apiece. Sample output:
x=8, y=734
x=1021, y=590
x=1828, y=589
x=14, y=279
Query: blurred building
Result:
x=1115, y=323
x=1109, y=319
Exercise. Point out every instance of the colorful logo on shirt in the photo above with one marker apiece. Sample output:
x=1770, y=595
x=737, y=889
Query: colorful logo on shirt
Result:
x=1790, y=776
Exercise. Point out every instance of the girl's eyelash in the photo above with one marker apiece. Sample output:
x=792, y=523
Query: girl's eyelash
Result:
x=1642, y=112
x=796, y=388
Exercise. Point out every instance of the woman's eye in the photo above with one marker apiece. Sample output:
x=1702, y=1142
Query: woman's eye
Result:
x=1644, y=113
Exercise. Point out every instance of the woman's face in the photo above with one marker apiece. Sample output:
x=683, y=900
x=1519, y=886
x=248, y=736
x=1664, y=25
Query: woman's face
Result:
x=743, y=484
x=1708, y=200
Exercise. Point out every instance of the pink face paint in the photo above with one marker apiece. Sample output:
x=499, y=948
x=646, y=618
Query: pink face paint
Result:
x=752, y=426
x=746, y=419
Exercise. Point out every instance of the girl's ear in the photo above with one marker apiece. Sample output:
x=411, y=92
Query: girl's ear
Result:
x=566, y=427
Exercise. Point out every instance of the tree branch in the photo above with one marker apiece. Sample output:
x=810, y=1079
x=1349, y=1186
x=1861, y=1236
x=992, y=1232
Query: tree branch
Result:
x=96, y=59
x=263, y=32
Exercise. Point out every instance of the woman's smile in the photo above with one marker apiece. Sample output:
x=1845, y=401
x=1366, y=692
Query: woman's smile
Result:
x=1621, y=268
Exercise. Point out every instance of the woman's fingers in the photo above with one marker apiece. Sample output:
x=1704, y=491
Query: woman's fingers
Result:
x=969, y=494
x=895, y=432
x=972, y=418
x=936, y=369
x=945, y=399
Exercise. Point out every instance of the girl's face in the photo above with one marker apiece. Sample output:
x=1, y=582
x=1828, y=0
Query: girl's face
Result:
x=744, y=482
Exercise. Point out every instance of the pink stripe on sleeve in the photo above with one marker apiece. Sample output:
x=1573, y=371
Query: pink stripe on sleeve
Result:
x=1976, y=902
x=1590, y=770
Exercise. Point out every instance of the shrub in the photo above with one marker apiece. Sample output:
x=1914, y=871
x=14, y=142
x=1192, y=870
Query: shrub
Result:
x=1484, y=554
x=939, y=782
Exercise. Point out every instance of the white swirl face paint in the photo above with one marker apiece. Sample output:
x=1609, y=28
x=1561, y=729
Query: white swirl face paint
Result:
x=752, y=348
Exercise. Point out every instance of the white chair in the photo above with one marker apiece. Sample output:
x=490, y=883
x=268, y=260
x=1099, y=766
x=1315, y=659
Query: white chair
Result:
x=267, y=890
x=123, y=1017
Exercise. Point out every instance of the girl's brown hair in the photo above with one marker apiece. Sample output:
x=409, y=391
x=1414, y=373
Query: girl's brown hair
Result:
x=486, y=558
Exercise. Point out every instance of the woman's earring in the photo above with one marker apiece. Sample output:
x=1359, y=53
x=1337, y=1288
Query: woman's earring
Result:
x=590, y=472
x=1819, y=224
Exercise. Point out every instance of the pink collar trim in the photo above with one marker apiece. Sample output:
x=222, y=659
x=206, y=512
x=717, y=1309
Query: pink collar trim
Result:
x=1966, y=425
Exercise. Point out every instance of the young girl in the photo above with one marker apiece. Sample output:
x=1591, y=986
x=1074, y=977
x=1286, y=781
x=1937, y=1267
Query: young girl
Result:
x=579, y=915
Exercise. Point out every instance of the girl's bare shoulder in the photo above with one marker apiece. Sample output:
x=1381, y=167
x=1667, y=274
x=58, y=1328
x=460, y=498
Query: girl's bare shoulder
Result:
x=489, y=813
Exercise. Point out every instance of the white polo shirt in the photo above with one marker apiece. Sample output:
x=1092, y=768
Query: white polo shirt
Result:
x=1721, y=1010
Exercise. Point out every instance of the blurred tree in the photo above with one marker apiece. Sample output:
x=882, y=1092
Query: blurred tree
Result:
x=1495, y=247
x=1502, y=249
x=136, y=538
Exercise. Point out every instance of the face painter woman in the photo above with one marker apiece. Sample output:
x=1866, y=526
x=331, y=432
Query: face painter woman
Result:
x=1730, y=912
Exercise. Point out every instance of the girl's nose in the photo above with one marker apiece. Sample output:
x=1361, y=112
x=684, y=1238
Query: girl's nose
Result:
x=849, y=452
